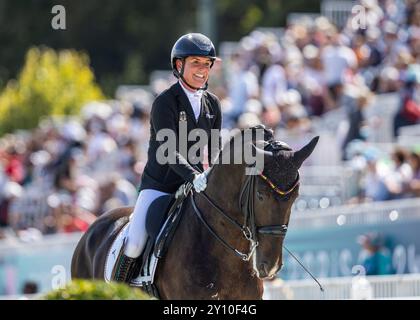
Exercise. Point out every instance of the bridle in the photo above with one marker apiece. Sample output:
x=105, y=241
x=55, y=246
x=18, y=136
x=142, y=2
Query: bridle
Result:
x=246, y=202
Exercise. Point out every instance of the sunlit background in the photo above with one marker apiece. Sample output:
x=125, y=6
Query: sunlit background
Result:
x=74, y=128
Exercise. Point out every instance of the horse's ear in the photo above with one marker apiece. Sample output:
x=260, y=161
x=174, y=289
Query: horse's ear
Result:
x=304, y=153
x=261, y=144
x=261, y=151
x=268, y=132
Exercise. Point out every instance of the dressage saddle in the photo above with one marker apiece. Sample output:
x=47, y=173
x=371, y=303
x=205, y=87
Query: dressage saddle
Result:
x=162, y=219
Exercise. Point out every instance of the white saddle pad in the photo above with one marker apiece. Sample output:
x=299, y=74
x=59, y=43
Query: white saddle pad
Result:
x=112, y=258
x=114, y=251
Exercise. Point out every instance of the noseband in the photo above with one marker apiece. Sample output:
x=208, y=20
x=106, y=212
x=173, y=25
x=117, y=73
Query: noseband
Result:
x=249, y=227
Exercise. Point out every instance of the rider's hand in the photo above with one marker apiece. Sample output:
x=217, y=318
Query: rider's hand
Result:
x=200, y=182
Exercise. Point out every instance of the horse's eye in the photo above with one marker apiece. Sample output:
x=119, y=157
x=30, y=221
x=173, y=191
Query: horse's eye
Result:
x=259, y=196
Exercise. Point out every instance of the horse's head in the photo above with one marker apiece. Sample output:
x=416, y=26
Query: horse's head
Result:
x=275, y=190
x=257, y=194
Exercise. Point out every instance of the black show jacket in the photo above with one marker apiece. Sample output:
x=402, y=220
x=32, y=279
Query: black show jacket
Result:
x=167, y=110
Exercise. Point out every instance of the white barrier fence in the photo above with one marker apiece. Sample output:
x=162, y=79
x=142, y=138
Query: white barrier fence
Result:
x=326, y=186
x=358, y=288
x=358, y=214
x=30, y=209
x=45, y=261
x=23, y=297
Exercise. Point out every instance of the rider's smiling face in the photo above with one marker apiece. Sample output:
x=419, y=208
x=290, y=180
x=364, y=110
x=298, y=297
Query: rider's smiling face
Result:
x=196, y=70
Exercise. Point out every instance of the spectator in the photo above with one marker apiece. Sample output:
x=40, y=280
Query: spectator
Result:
x=274, y=82
x=30, y=287
x=375, y=257
x=414, y=184
x=9, y=193
x=401, y=174
x=244, y=86
x=337, y=60
x=13, y=165
x=375, y=188
x=409, y=110
x=313, y=81
x=354, y=100
x=392, y=42
x=386, y=182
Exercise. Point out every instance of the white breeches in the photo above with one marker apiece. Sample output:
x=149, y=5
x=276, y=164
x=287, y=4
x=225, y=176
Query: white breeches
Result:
x=137, y=234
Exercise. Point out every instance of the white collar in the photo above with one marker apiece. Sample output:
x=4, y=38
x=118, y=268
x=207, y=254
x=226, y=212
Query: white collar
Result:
x=191, y=95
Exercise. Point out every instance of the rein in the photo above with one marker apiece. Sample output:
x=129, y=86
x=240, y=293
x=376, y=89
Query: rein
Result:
x=246, y=203
x=249, y=227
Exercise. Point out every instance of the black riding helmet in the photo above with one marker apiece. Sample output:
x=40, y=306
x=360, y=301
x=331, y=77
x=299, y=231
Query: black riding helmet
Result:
x=191, y=44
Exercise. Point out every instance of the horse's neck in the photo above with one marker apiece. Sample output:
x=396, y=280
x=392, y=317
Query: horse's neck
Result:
x=205, y=268
x=216, y=266
x=223, y=187
x=238, y=276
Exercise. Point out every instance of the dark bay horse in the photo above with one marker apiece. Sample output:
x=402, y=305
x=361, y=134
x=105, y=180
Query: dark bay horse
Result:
x=230, y=237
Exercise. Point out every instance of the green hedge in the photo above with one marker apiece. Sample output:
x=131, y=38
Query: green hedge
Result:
x=50, y=83
x=96, y=290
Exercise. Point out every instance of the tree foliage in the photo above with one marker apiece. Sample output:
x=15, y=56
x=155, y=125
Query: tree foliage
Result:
x=237, y=18
x=50, y=83
x=127, y=39
x=96, y=290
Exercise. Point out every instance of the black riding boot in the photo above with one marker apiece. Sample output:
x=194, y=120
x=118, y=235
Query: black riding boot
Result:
x=124, y=268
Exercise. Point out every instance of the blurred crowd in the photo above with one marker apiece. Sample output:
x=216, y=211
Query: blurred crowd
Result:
x=315, y=67
x=385, y=176
x=61, y=176
x=91, y=164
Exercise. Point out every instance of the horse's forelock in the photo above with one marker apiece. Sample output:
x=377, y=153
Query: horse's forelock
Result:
x=268, y=134
x=268, y=143
x=280, y=169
